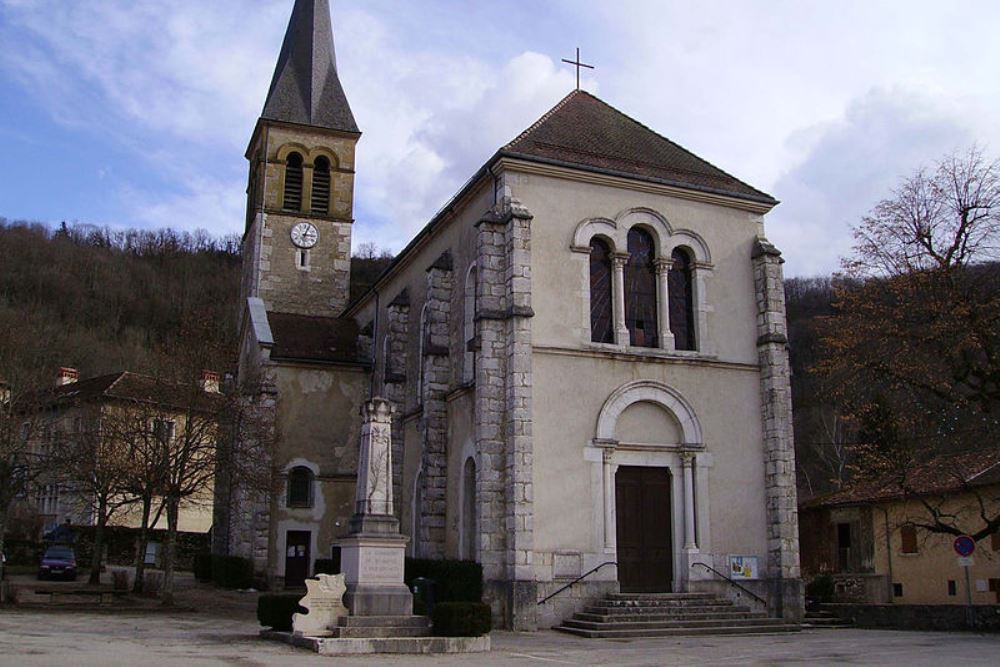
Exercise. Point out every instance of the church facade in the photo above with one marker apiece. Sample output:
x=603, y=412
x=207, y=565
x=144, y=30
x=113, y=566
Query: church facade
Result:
x=585, y=349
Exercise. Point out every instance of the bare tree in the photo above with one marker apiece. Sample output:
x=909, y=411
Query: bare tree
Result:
x=913, y=349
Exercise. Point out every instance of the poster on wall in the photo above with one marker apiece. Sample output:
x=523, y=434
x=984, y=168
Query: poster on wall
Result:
x=743, y=567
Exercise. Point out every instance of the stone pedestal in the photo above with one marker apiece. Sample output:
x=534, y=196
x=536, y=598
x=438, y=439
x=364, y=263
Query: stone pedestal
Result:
x=372, y=553
x=373, y=571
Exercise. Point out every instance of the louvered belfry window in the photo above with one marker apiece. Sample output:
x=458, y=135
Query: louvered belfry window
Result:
x=293, y=183
x=321, y=186
x=601, y=330
x=640, y=289
x=681, y=300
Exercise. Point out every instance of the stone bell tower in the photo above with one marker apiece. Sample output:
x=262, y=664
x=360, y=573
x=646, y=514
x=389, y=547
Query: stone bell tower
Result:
x=300, y=196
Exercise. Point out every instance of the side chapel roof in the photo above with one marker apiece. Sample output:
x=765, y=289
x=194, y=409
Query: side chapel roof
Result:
x=314, y=338
x=305, y=88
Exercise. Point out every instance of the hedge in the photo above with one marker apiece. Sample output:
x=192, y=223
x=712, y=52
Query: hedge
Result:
x=454, y=580
x=326, y=566
x=232, y=571
x=274, y=610
x=202, y=567
x=461, y=619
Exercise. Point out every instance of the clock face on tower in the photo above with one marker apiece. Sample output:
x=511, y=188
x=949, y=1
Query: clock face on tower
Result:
x=304, y=235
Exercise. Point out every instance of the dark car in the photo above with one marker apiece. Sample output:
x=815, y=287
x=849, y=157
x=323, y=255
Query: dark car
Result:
x=59, y=562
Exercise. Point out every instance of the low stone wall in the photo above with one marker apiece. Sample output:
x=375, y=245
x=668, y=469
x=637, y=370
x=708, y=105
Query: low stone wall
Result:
x=947, y=617
x=571, y=600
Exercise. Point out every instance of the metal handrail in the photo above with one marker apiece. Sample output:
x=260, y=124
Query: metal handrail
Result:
x=580, y=578
x=742, y=588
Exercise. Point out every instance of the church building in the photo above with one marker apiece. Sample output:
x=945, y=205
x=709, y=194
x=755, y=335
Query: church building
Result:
x=585, y=349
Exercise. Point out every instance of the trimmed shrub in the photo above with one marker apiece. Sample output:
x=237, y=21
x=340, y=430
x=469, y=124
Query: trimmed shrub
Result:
x=461, y=619
x=454, y=580
x=821, y=588
x=202, y=567
x=274, y=610
x=232, y=572
x=326, y=566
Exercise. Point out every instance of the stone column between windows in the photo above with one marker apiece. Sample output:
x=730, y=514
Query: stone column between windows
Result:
x=663, y=304
x=394, y=383
x=687, y=465
x=618, y=279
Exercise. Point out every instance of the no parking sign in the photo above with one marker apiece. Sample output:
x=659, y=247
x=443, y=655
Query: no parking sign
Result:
x=964, y=545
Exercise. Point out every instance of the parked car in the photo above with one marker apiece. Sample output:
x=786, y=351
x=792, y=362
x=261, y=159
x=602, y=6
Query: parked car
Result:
x=58, y=562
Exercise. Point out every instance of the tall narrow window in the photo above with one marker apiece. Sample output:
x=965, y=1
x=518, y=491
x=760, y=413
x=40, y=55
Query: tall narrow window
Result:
x=293, y=183
x=640, y=289
x=908, y=536
x=300, y=486
x=601, y=319
x=321, y=186
x=469, y=369
x=681, y=300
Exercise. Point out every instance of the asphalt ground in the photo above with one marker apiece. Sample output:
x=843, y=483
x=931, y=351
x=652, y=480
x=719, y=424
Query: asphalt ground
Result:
x=43, y=636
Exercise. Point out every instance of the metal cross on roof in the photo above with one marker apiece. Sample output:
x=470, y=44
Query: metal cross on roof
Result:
x=578, y=65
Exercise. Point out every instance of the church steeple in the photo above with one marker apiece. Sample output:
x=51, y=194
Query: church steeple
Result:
x=300, y=198
x=305, y=88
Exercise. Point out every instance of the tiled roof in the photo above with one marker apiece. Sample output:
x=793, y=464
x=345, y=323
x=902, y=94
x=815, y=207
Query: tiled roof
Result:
x=939, y=476
x=305, y=88
x=584, y=131
x=313, y=338
x=132, y=387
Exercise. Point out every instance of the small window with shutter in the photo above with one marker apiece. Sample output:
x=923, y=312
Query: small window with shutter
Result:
x=908, y=534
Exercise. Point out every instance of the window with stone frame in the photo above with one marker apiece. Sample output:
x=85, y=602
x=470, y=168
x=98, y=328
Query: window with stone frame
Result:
x=292, y=199
x=321, y=186
x=640, y=289
x=300, y=487
x=681, y=300
x=601, y=312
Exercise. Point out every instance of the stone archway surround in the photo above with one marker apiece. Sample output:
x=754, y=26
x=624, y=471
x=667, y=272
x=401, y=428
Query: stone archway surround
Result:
x=686, y=461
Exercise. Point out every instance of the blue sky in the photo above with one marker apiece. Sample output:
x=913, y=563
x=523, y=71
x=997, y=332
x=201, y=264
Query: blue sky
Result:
x=136, y=113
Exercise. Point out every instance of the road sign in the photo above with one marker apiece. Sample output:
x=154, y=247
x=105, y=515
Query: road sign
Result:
x=964, y=545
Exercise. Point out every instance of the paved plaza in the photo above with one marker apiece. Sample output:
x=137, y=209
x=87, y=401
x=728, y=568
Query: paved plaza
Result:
x=36, y=638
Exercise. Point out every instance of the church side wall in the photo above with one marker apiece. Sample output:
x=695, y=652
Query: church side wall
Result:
x=318, y=430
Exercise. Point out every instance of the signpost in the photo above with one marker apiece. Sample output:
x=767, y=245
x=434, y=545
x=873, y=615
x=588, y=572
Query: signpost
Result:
x=965, y=546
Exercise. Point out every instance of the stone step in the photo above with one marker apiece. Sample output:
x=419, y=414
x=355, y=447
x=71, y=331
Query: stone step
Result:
x=667, y=611
x=683, y=631
x=374, y=631
x=384, y=621
x=629, y=618
x=346, y=646
x=651, y=602
x=661, y=596
x=658, y=625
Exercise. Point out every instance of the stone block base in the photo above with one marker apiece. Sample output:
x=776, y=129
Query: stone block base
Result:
x=373, y=571
x=514, y=604
x=379, y=600
x=423, y=645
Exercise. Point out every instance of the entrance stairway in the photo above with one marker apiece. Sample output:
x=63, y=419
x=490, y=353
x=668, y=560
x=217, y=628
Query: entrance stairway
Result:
x=627, y=615
x=824, y=619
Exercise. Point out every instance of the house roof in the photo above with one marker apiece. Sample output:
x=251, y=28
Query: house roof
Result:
x=583, y=131
x=305, y=88
x=129, y=386
x=939, y=476
x=314, y=338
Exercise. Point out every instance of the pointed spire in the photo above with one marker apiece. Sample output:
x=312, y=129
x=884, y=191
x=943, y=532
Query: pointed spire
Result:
x=305, y=88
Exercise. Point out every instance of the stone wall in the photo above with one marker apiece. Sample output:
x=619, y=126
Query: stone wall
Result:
x=980, y=618
x=397, y=327
x=779, y=449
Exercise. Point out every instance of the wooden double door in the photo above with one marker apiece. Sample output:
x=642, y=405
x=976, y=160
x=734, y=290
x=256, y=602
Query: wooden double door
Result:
x=643, y=514
x=297, y=546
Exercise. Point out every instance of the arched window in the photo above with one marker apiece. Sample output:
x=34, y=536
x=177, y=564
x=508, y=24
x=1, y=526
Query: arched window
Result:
x=321, y=186
x=293, y=183
x=640, y=289
x=300, y=487
x=469, y=510
x=681, y=300
x=601, y=318
x=469, y=369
